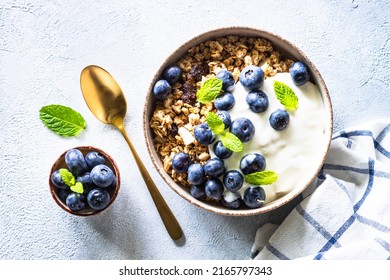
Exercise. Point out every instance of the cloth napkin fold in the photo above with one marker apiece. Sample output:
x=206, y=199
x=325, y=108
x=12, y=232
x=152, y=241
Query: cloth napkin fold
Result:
x=345, y=213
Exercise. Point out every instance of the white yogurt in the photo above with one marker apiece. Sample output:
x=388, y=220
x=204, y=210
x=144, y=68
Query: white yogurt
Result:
x=295, y=152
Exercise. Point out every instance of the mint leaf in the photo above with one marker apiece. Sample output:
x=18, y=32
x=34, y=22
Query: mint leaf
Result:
x=232, y=142
x=286, y=96
x=67, y=177
x=215, y=123
x=210, y=89
x=77, y=188
x=265, y=177
x=62, y=120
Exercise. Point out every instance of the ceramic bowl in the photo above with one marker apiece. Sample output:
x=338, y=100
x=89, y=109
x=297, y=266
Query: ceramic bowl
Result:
x=59, y=195
x=285, y=48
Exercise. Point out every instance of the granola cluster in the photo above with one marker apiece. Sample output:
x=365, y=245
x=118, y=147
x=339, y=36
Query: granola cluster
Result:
x=174, y=119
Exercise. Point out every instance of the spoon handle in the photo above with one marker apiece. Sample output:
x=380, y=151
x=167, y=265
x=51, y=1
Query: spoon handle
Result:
x=169, y=220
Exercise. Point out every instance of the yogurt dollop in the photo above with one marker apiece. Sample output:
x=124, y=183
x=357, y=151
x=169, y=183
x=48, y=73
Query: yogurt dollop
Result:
x=295, y=152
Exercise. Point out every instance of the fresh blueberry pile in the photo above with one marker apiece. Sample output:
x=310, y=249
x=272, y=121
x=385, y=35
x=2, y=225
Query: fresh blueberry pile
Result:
x=212, y=181
x=91, y=172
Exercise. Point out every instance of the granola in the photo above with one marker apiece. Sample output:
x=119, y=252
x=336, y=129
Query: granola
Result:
x=174, y=119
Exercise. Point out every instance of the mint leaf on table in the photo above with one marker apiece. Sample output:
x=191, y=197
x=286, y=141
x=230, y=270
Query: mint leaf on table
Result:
x=209, y=90
x=215, y=123
x=62, y=120
x=265, y=177
x=286, y=96
x=232, y=142
x=67, y=177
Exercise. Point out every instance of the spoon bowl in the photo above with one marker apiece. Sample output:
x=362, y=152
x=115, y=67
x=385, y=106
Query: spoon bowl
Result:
x=107, y=102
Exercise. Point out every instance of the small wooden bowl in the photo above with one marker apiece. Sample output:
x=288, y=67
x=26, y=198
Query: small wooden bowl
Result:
x=285, y=48
x=60, y=163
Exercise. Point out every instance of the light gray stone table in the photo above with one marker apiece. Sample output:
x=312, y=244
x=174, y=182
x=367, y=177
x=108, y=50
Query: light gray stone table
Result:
x=45, y=44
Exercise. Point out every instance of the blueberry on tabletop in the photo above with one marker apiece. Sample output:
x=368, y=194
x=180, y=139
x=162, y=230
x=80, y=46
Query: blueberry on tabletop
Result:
x=251, y=163
x=243, y=128
x=254, y=197
x=94, y=158
x=102, y=176
x=224, y=101
x=172, y=74
x=299, y=73
x=56, y=179
x=75, y=161
x=98, y=199
x=195, y=174
x=252, y=77
x=180, y=162
x=225, y=117
x=214, y=188
x=279, y=119
x=198, y=191
x=214, y=167
x=75, y=201
x=203, y=134
x=228, y=82
x=161, y=89
x=221, y=151
x=257, y=101
x=231, y=200
x=233, y=180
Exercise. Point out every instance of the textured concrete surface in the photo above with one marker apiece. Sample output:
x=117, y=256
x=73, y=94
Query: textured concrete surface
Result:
x=45, y=44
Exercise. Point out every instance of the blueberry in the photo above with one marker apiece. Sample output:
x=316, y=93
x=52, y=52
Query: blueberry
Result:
x=181, y=162
x=225, y=117
x=75, y=201
x=75, y=161
x=57, y=180
x=231, y=200
x=198, y=191
x=63, y=194
x=243, y=128
x=252, y=77
x=279, y=119
x=257, y=101
x=85, y=179
x=98, y=199
x=254, y=197
x=203, y=134
x=172, y=74
x=214, y=167
x=102, y=176
x=94, y=158
x=195, y=174
x=251, y=163
x=299, y=73
x=228, y=82
x=213, y=188
x=161, y=89
x=221, y=151
x=233, y=180
x=224, y=101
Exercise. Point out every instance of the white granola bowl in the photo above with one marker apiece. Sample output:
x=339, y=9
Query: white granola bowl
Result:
x=286, y=48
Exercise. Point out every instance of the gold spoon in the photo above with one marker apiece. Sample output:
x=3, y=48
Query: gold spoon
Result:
x=107, y=102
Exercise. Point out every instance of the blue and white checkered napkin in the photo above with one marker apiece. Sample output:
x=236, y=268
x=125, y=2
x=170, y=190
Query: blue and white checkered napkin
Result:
x=345, y=214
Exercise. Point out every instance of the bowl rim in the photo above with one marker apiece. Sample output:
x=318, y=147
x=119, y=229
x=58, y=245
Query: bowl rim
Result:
x=112, y=198
x=246, y=32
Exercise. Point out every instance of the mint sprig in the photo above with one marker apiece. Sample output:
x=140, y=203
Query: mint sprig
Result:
x=67, y=177
x=70, y=180
x=228, y=139
x=209, y=90
x=77, y=188
x=265, y=177
x=286, y=96
x=62, y=120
